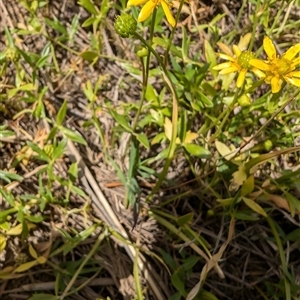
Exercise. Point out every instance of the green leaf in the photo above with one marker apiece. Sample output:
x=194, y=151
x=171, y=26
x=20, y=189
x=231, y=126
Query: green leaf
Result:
x=186, y=219
x=158, y=138
x=30, y=58
x=294, y=203
x=210, y=57
x=185, y=43
x=89, y=55
x=254, y=206
x=74, y=136
x=8, y=175
x=225, y=151
x=247, y=186
x=73, y=171
x=7, y=196
x=151, y=94
x=293, y=236
x=59, y=150
x=121, y=120
x=6, y=133
x=55, y=24
x=89, y=6
x=78, y=191
x=35, y=219
x=52, y=134
x=197, y=150
x=205, y=99
x=142, y=138
x=89, y=22
x=133, y=159
x=61, y=113
x=32, y=252
x=9, y=37
x=26, y=266
x=205, y=295
x=178, y=283
x=165, y=43
x=119, y=171
x=5, y=213
x=244, y=216
x=2, y=242
x=74, y=26
x=42, y=155
x=189, y=263
x=266, y=157
x=42, y=61
x=161, y=155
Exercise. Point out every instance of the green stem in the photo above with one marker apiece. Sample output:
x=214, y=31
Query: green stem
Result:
x=145, y=70
x=275, y=22
x=254, y=26
x=175, y=101
x=228, y=112
x=172, y=34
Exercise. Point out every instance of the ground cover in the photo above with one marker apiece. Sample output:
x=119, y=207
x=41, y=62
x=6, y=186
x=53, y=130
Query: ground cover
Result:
x=149, y=152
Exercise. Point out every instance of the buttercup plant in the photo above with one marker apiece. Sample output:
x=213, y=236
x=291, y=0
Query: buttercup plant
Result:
x=274, y=70
x=278, y=68
x=238, y=60
x=149, y=6
x=202, y=134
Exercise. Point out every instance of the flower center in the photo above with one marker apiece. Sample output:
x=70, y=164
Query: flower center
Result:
x=156, y=2
x=244, y=58
x=283, y=66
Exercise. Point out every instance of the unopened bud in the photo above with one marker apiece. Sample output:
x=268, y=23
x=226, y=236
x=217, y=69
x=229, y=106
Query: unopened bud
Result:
x=125, y=25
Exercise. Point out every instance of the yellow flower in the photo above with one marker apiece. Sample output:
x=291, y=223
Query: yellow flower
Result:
x=149, y=7
x=238, y=60
x=278, y=68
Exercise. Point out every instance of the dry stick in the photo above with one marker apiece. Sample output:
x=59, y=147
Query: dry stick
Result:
x=43, y=286
x=102, y=203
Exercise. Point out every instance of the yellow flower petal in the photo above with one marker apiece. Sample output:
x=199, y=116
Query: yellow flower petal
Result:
x=294, y=74
x=259, y=64
x=168, y=13
x=276, y=84
x=135, y=2
x=222, y=66
x=241, y=78
x=229, y=70
x=294, y=81
x=225, y=48
x=296, y=62
x=258, y=73
x=244, y=41
x=146, y=11
x=236, y=50
x=269, y=78
x=269, y=48
x=292, y=52
x=225, y=56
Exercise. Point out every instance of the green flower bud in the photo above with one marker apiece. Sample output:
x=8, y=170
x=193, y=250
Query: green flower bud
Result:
x=142, y=52
x=210, y=213
x=268, y=145
x=21, y=258
x=244, y=100
x=125, y=25
x=244, y=59
x=12, y=54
